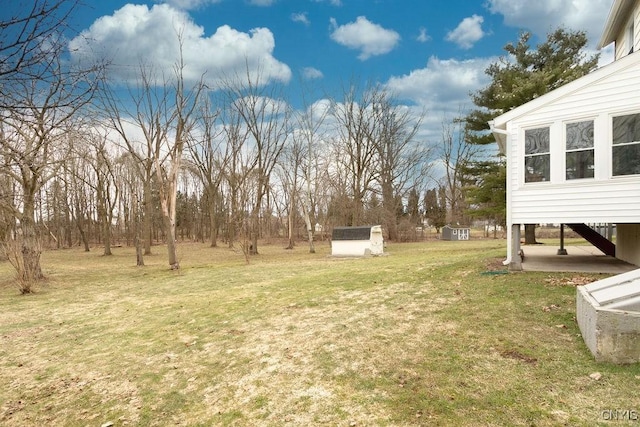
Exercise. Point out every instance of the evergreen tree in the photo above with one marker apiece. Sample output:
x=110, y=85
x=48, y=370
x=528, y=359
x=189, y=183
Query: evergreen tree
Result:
x=413, y=206
x=486, y=192
x=434, y=210
x=521, y=76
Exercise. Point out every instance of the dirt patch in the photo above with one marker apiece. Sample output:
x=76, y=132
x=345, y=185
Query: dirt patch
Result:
x=495, y=264
x=516, y=355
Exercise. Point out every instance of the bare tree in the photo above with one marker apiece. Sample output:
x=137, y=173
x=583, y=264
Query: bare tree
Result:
x=40, y=96
x=168, y=166
x=131, y=179
x=402, y=160
x=455, y=154
x=236, y=166
x=38, y=116
x=80, y=180
x=207, y=154
x=30, y=36
x=145, y=109
x=309, y=138
x=107, y=192
x=355, y=150
x=266, y=117
x=165, y=112
x=290, y=163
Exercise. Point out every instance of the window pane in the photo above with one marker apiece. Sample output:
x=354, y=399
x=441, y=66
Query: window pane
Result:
x=626, y=129
x=580, y=135
x=580, y=164
x=536, y=168
x=536, y=141
x=626, y=159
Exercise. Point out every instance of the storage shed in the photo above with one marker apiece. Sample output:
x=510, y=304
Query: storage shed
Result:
x=357, y=241
x=450, y=233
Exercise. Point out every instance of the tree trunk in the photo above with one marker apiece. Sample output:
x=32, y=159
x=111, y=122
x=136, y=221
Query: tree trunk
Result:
x=255, y=227
x=530, y=234
x=290, y=223
x=213, y=219
x=30, y=251
x=83, y=235
x=137, y=236
x=139, y=250
x=172, y=246
x=168, y=204
x=310, y=232
x=148, y=216
x=389, y=206
x=106, y=233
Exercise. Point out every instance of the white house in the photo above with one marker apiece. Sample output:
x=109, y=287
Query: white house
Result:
x=357, y=241
x=573, y=154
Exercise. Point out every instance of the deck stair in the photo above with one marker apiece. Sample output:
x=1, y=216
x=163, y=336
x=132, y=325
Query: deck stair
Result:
x=595, y=238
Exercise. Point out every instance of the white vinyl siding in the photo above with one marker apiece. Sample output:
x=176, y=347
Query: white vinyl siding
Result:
x=608, y=202
x=601, y=198
x=628, y=39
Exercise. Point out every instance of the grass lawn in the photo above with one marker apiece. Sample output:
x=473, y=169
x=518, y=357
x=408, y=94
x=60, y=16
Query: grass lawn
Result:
x=422, y=336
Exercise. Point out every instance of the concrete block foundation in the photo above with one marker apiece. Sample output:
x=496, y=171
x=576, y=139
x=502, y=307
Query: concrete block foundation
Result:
x=608, y=314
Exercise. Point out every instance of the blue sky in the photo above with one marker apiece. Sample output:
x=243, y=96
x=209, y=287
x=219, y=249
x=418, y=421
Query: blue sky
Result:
x=430, y=53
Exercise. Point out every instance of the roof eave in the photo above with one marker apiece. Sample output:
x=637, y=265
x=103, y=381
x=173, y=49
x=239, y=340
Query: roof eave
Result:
x=600, y=73
x=614, y=22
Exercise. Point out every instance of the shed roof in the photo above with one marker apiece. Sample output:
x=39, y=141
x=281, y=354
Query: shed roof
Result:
x=351, y=233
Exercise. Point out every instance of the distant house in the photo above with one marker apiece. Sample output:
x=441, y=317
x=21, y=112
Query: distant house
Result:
x=357, y=241
x=573, y=154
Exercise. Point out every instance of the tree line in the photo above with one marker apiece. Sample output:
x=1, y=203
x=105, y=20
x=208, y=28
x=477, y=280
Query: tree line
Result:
x=165, y=158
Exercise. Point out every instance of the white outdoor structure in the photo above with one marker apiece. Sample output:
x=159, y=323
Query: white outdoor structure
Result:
x=573, y=154
x=357, y=241
x=608, y=313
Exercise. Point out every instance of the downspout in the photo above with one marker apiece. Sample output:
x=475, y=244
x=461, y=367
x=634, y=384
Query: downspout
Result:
x=501, y=138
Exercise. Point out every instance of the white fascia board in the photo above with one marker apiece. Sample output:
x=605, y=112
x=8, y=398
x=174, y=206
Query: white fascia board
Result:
x=566, y=90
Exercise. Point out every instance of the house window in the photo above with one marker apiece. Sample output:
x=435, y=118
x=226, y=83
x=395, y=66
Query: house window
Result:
x=626, y=145
x=579, y=158
x=536, y=155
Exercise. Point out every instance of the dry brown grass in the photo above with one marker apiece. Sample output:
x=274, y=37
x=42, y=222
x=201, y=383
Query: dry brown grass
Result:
x=418, y=337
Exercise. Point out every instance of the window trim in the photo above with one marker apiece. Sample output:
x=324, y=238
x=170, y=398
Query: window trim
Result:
x=524, y=155
x=566, y=150
x=611, y=146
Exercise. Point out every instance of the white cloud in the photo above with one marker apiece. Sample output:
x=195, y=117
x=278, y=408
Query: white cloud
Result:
x=544, y=16
x=300, y=17
x=136, y=34
x=423, y=37
x=442, y=90
x=190, y=4
x=333, y=2
x=443, y=85
x=311, y=73
x=369, y=38
x=467, y=32
x=262, y=2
